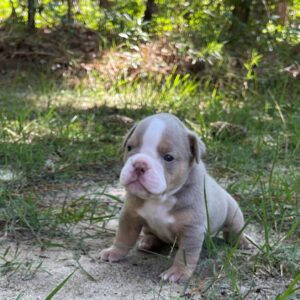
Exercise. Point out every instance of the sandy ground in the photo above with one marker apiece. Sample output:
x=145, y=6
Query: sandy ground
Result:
x=133, y=278
x=136, y=277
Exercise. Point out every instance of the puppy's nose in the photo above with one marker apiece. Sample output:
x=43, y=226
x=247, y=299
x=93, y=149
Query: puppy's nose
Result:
x=140, y=167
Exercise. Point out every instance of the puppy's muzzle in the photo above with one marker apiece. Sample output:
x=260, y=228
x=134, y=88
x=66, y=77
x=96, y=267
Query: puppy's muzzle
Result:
x=142, y=169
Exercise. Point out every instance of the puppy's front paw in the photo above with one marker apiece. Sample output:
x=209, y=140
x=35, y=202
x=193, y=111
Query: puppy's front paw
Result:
x=112, y=254
x=176, y=274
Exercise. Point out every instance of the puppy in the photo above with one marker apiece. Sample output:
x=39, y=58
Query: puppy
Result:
x=170, y=196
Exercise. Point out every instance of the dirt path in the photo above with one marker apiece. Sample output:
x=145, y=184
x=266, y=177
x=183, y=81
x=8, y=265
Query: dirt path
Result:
x=134, y=278
x=33, y=273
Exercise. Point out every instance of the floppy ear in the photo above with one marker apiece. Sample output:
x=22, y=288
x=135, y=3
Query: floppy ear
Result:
x=128, y=135
x=196, y=145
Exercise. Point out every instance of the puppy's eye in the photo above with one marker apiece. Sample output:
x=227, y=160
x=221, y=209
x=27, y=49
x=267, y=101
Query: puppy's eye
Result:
x=129, y=148
x=168, y=157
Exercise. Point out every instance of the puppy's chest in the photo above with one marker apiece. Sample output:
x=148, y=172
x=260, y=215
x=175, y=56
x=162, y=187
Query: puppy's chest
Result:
x=158, y=217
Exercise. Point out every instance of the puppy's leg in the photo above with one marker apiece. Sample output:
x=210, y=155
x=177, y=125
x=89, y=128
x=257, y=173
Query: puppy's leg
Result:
x=233, y=227
x=187, y=256
x=149, y=241
x=129, y=229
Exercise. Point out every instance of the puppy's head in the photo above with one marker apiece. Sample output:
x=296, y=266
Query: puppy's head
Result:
x=159, y=152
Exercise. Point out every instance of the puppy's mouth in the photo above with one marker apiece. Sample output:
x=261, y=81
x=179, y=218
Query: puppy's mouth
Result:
x=136, y=183
x=136, y=186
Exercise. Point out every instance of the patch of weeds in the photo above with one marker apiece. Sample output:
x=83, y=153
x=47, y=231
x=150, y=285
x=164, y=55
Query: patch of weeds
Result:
x=19, y=212
x=12, y=264
x=27, y=213
x=47, y=139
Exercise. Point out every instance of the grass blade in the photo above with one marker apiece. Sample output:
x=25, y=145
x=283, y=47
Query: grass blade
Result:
x=60, y=286
x=90, y=277
x=113, y=197
x=291, y=289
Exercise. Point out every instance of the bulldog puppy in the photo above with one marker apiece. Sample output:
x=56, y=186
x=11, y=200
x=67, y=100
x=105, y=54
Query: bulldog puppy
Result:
x=170, y=196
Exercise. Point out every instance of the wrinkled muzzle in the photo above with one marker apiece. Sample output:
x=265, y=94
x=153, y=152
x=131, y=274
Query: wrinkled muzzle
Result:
x=141, y=171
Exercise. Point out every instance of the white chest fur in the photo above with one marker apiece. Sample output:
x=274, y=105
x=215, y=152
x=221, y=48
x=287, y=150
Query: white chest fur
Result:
x=158, y=217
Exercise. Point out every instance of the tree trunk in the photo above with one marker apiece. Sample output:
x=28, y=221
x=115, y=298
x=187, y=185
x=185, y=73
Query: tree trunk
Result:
x=13, y=10
x=107, y=4
x=282, y=10
x=241, y=10
x=151, y=8
x=69, y=13
x=240, y=18
x=31, y=15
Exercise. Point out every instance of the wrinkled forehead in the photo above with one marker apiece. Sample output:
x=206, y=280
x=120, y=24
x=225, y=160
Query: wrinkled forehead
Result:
x=162, y=132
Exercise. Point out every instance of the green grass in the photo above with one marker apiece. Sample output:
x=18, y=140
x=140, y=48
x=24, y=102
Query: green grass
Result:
x=59, y=286
x=52, y=133
x=10, y=264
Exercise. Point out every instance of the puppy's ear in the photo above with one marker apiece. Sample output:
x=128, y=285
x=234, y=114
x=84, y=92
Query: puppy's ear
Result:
x=196, y=145
x=128, y=135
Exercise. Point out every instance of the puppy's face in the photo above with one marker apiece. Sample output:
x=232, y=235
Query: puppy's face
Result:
x=159, y=152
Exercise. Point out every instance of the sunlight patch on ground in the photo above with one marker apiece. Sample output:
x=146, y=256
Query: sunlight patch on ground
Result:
x=6, y=174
